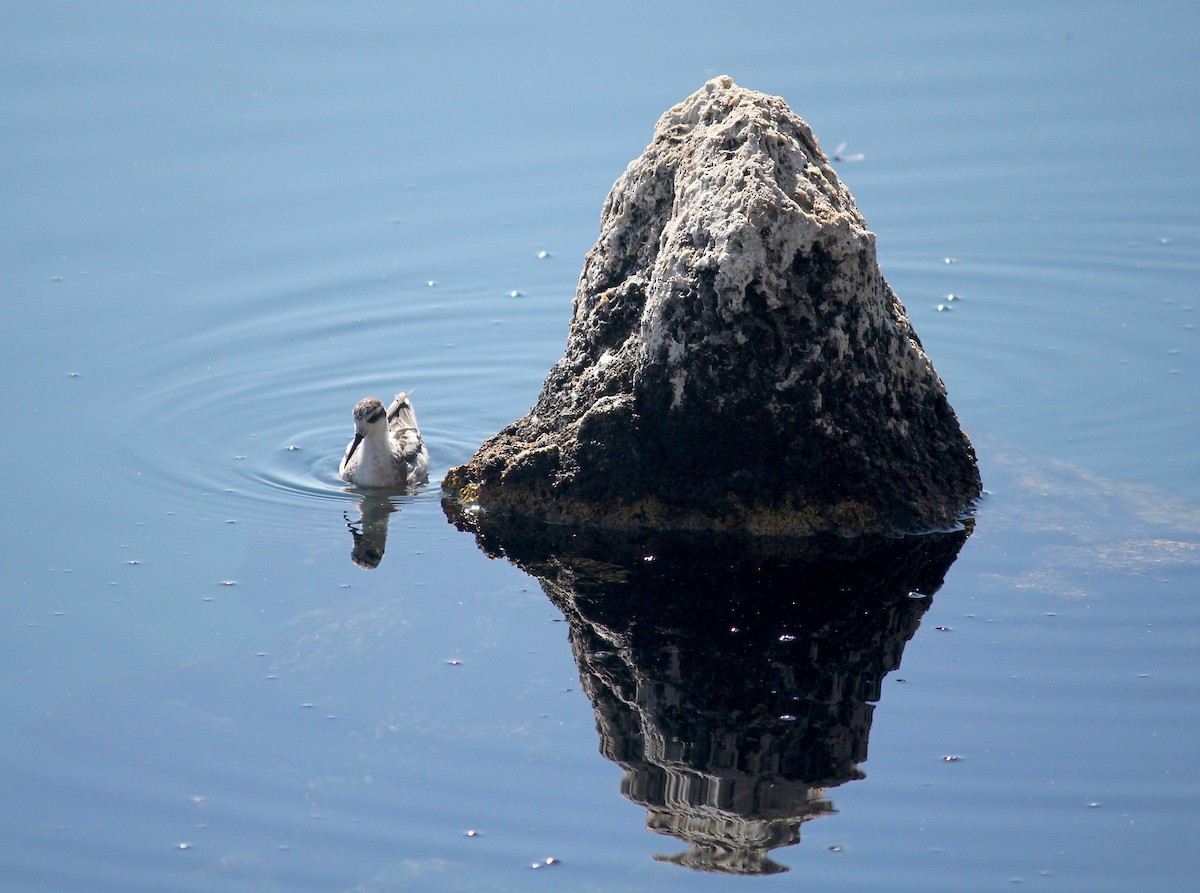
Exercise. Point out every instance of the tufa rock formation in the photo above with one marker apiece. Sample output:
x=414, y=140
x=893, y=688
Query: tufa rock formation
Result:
x=736, y=361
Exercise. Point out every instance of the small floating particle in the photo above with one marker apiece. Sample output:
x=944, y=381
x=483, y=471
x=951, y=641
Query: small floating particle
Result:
x=515, y=294
x=184, y=845
x=542, y=255
x=550, y=860
x=431, y=283
x=239, y=458
x=133, y=561
x=835, y=848
x=902, y=681
x=942, y=629
x=72, y=375
x=787, y=717
x=306, y=706
x=943, y=308
x=648, y=558
x=454, y=662
x=950, y=260
x=471, y=832
x=230, y=521
x=293, y=449
x=952, y=758
x=840, y=154
x=229, y=582
x=1093, y=805
x=734, y=629
x=601, y=655
x=787, y=637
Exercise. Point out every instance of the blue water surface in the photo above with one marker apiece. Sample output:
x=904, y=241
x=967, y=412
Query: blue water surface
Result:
x=227, y=222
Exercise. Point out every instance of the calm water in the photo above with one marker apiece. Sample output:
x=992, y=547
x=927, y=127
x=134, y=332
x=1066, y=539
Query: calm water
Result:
x=224, y=223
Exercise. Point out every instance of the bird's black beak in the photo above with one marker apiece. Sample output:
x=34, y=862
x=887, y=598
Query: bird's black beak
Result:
x=353, y=446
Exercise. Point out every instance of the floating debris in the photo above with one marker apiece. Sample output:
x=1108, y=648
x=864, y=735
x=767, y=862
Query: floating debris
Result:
x=543, y=255
x=516, y=294
x=951, y=758
x=840, y=154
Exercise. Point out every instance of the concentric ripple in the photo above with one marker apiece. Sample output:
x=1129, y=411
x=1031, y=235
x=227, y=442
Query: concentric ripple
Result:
x=243, y=415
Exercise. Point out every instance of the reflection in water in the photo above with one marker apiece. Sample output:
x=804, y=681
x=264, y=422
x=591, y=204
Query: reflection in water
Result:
x=733, y=682
x=371, y=530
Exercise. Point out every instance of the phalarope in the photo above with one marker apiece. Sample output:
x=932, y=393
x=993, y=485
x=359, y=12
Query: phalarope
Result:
x=387, y=450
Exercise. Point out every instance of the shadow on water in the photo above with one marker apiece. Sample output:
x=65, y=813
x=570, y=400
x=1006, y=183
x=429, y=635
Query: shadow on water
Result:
x=733, y=682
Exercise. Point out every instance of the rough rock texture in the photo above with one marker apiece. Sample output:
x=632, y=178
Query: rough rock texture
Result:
x=734, y=683
x=735, y=360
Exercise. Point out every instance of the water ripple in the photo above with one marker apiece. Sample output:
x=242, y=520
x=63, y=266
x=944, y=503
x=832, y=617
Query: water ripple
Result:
x=248, y=407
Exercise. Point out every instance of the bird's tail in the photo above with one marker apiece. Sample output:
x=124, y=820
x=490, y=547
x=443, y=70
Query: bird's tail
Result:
x=401, y=412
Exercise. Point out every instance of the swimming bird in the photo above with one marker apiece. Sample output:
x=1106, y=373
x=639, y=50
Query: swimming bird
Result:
x=387, y=450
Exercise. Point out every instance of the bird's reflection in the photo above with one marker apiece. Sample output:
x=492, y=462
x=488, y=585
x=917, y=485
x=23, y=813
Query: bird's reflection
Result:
x=733, y=682
x=370, y=530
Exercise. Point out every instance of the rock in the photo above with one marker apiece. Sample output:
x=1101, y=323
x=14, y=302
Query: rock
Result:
x=736, y=361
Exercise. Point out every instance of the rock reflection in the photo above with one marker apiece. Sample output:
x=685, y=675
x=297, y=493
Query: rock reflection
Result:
x=370, y=530
x=733, y=683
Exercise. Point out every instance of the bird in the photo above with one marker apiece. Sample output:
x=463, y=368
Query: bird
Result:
x=387, y=449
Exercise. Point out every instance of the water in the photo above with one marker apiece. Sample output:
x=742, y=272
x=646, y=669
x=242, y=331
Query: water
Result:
x=222, y=225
